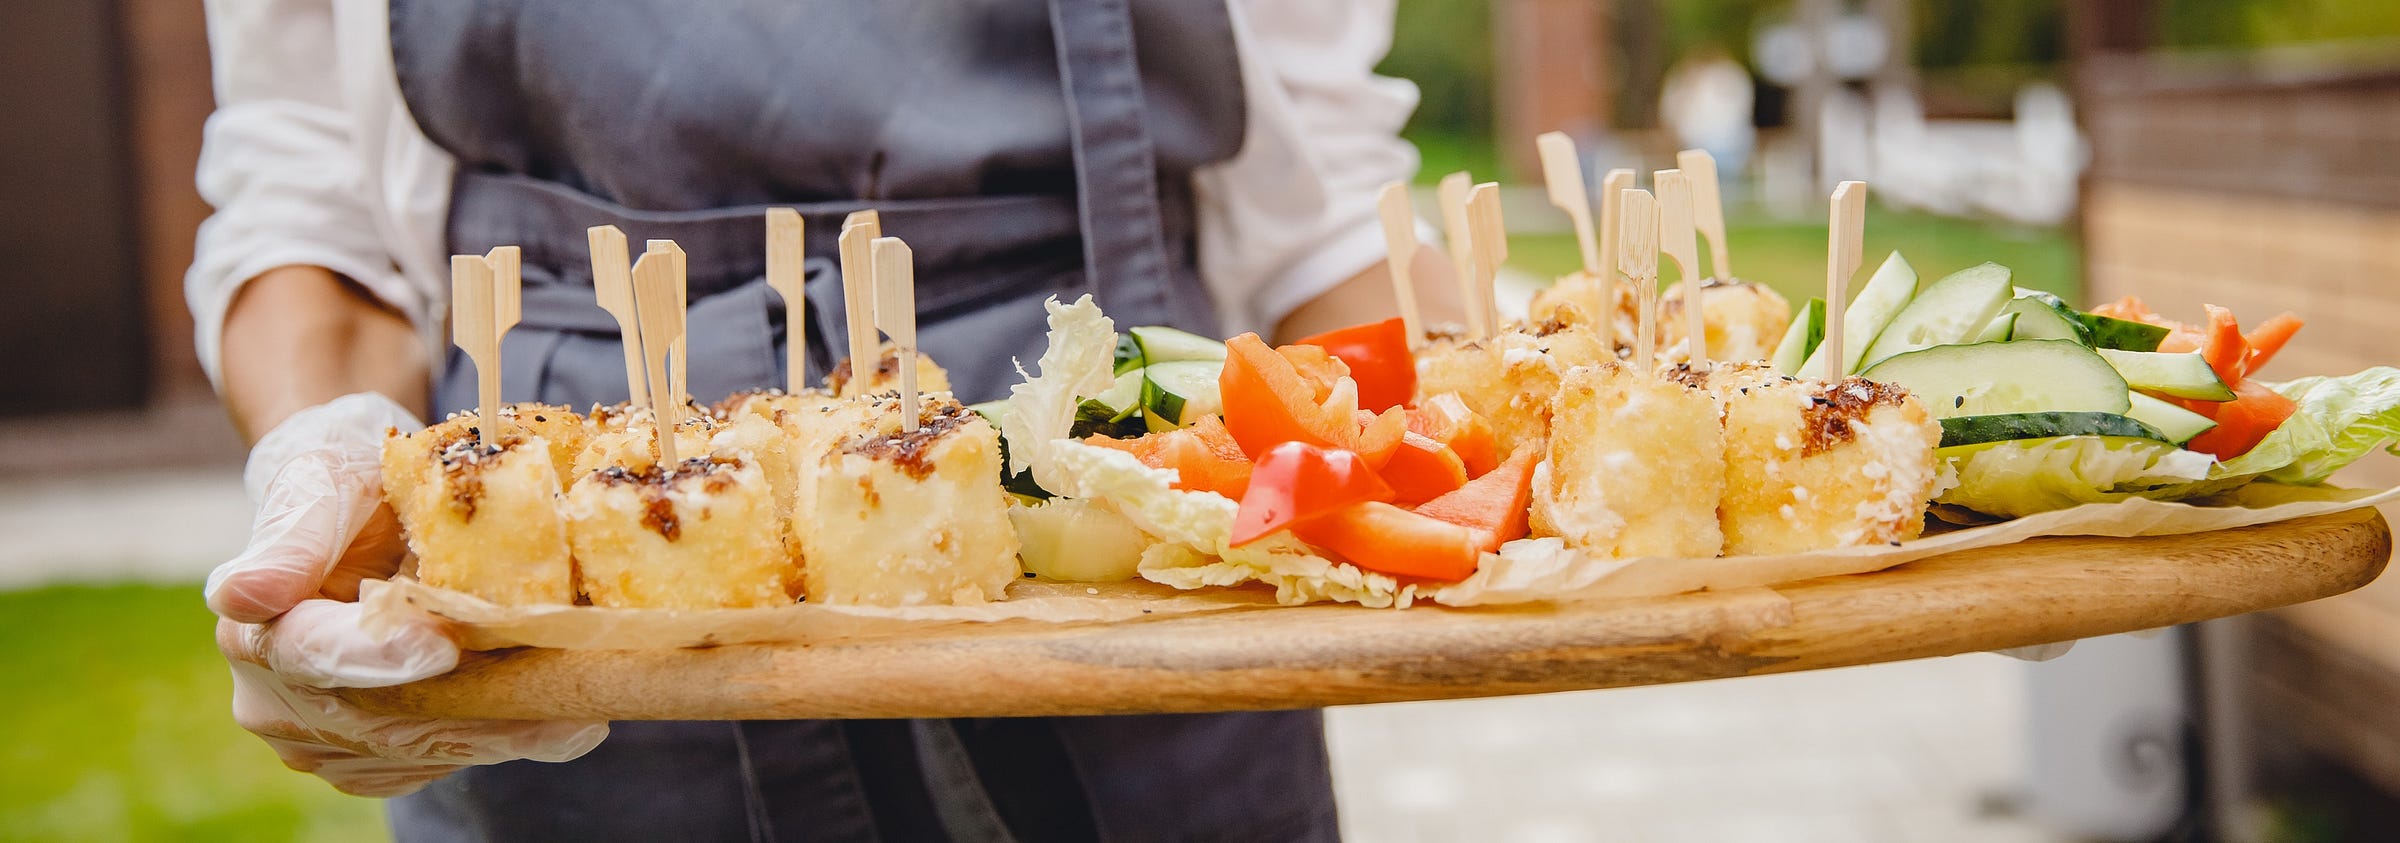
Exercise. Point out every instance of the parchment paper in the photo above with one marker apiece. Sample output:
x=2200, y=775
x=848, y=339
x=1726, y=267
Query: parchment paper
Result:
x=1525, y=571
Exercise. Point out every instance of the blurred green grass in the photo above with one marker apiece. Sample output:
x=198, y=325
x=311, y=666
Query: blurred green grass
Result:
x=1789, y=255
x=117, y=727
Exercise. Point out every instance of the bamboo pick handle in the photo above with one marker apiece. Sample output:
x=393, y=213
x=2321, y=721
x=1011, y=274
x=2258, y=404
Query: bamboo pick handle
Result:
x=859, y=231
x=1564, y=173
x=1457, y=230
x=1491, y=250
x=787, y=274
x=612, y=280
x=654, y=298
x=678, y=364
x=471, y=331
x=1675, y=242
x=896, y=311
x=1637, y=257
x=1400, y=251
x=1845, y=229
x=1708, y=208
x=1604, y=309
x=508, y=304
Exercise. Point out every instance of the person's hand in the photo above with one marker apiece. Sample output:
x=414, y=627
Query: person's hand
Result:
x=290, y=625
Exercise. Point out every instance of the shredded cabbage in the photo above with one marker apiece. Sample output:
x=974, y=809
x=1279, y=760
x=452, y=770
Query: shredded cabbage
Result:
x=1079, y=363
x=2338, y=421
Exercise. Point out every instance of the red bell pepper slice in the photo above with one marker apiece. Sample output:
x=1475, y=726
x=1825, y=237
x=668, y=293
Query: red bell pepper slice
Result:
x=1378, y=356
x=1445, y=418
x=1295, y=482
x=1386, y=538
x=2222, y=345
x=1421, y=470
x=1497, y=504
x=2268, y=338
x=1200, y=464
x=2254, y=412
x=1269, y=400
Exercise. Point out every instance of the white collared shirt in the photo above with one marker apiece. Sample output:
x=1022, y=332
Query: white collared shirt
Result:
x=312, y=159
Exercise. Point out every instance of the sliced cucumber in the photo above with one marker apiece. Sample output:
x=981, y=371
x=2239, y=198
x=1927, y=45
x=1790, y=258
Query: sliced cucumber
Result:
x=1801, y=339
x=991, y=411
x=2174, y=424
x=1115, y=412
x=1975, y=430
x=1179, y=393
x=2001, y=329
x=2024, y=376
x=1129, y=354
x=2183, y=375
x=1887, y=292
x=1952, y=310
x=1159, y=344
x=2121, y=334
x=2041, y=316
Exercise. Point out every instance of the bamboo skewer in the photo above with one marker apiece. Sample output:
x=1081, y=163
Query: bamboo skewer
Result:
x=1564, y=174
x=787, y=274
x=471, y=330
x=508, y=306
x=612, y=281
x=1457, y=231
x=1604, y=308
x=1637, y=257
x=1676, y=243
x=1400, y=249
x=1845, y=229
x=896, y=312
x=1708, y=209
x=678, y=362
x=661, y=322
x=859, y=231
x=1491, y=250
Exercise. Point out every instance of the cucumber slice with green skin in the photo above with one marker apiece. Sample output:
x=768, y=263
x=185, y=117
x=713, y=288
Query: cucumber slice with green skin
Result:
x=1115, y=412
x=2123, y=335
x=1167, y=345
x=991, y=411
x=1801, y=339
x=1178, y=393
x=1887, y=292
x=2183, y=375
x=2022, y=376
x=1129, y=354
x=2002, y=328
x=2174, y=424
x=2042, y=316
x=1952, y=310
x=1976, y=430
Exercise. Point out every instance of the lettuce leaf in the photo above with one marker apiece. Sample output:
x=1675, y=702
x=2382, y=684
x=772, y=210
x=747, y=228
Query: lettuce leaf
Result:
x=1080, y=362
x=2339, y=420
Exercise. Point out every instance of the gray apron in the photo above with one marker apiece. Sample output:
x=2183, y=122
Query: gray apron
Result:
x=1023, y=153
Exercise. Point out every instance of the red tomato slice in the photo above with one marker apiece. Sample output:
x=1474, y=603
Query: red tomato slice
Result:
x=1295, y=482
x=1422, y=469
x=1269, y=401
x=1378, y=356
x=2268, y=338
x=1386, y=538
x=1445, y=418
x=2254, y=412
x=1497, y=504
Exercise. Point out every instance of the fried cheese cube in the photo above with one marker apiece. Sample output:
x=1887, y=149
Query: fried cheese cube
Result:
x=1811, y=465
x=481, y=521
x=1743, y=320
x=1635, y=466
x=1509, y=379
x=885, y=377
x=703, y=534
x=560, y=426
x=621, y=438
x=1573, y=299
x=900, y=518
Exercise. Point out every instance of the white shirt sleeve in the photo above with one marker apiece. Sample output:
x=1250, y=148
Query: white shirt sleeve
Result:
x=1293, y=214
x=279, y=164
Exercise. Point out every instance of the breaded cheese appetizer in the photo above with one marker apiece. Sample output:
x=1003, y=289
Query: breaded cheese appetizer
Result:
x=1635, y=466
x=702, y=534
x=1571, y=301
x=885, y=377
x=1510, y=378
x=1743, y=320
x=909, y=518
x=1811, y=465
x=482, y=521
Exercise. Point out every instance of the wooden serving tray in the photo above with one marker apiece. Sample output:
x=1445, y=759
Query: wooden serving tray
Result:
x=2036, y=592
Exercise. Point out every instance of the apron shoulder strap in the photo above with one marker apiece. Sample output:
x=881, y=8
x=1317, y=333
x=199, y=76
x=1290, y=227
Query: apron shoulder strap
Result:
x=1116, y=168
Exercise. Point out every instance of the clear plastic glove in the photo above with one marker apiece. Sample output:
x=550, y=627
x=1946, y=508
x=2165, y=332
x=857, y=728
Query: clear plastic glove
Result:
x=290, y=623
x=2038, y=652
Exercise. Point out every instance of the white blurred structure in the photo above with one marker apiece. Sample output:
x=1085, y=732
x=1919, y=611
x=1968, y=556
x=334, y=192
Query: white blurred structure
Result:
x=2025, y=170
